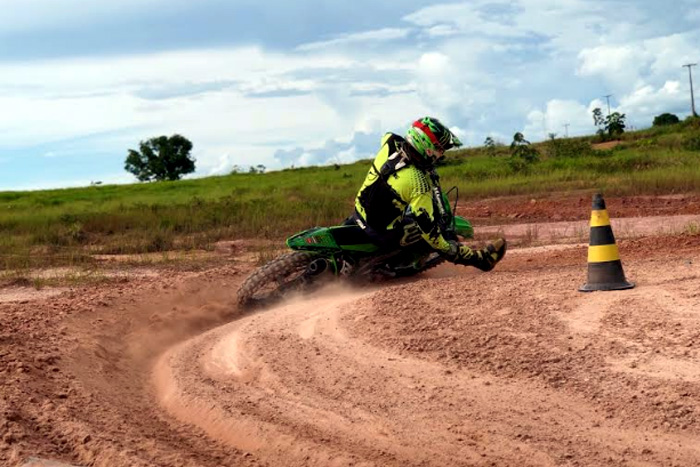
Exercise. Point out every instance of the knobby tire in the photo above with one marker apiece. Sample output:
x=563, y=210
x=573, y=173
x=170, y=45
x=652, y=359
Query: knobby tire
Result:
x=282, y=275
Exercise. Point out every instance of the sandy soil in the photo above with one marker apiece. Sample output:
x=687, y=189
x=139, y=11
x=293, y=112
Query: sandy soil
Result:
x=513, y=367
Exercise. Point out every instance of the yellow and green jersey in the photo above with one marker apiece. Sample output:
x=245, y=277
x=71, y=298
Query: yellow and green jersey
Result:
x=393, y=186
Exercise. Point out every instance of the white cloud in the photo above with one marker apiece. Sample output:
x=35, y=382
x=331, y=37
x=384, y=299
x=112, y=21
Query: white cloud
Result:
x=270, y=85
x=348, y=155
x=364, y=125
x=670, y=52
x=483, y=67
x=434, y=63
x=91, y=96
x=645, y=75
x=80, y=76
x=462, y=18
x=565, y=23
x=360, y=145
x=635, y=64
x=39, y=119
x=442, y=30
x=554, y=118
x=619, y=64
x=380, y=35
x=650, y=101
x=223, y=166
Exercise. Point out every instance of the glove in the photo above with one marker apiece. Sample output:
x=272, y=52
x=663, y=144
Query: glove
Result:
x=484, y=259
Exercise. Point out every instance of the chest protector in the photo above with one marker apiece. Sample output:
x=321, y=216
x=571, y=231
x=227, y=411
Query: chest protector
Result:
x=382, y=204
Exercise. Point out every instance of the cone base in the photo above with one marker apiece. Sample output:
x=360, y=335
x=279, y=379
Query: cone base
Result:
x=605, y=287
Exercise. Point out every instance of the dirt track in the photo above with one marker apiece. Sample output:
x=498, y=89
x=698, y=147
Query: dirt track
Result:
x=514, y=367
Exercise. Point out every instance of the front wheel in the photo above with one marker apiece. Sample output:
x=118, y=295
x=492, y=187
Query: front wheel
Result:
x=291, y=272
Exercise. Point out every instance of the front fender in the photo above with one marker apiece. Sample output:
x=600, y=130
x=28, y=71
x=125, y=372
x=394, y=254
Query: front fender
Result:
x=463, y=227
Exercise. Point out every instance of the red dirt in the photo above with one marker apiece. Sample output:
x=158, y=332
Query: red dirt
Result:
x=571, y=207
x=513, y=367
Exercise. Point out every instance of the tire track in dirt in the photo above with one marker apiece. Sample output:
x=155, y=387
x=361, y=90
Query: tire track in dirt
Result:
x=514, y=367
x=538, y=330
x=309, y=383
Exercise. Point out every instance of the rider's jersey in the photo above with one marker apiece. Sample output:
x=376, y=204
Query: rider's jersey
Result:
x=382, y=200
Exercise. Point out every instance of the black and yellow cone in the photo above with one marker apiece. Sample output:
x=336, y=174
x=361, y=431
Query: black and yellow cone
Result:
x=604, y=265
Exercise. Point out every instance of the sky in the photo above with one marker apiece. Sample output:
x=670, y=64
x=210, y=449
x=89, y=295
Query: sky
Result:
x=313, y=82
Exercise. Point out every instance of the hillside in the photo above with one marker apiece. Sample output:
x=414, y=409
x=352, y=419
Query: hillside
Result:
x=67, y=226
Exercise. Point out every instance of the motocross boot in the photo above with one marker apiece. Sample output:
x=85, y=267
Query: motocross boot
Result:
x=484, y=259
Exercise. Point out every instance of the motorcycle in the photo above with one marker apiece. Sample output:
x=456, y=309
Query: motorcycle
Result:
x=346, y=252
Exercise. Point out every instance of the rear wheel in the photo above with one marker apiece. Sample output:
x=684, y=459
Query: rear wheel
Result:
x=291, y=272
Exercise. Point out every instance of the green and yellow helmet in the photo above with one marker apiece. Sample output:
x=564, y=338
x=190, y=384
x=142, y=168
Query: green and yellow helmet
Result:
x=431, y=139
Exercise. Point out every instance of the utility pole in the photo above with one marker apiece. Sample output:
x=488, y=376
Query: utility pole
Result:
x=544, y=126
x=607, y=98
x=690, y=77
x=566, y=127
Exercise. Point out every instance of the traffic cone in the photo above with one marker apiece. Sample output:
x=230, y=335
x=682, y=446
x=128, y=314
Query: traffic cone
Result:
x=604, y=265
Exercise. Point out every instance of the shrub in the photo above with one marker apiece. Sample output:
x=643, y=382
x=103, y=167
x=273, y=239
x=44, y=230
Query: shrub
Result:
x=490, y=146
x=692, y=142
x=665, y=119
x=692, y=122
x=517, y=164
x=522, y=154
x=567, y=148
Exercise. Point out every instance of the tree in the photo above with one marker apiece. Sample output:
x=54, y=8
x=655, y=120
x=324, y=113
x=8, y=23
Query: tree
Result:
x=520, y=147
x=258, y=169
x=521, y=153
x=598, y=119
x=161, y=158
x=490, y=146
x=615, y=124
x=665, y=119
x=612, y=125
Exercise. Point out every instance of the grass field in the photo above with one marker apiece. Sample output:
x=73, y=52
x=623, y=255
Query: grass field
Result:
x=58, y=227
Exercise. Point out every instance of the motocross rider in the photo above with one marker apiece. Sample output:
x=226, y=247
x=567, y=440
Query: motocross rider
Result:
x=398, y=192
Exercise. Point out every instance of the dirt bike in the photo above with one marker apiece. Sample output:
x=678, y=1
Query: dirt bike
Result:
x=346, y=251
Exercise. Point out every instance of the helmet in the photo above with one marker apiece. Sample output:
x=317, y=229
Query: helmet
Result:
x=431, y=139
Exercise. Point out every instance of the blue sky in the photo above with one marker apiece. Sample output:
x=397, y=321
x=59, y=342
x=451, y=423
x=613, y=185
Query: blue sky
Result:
x=284, y=83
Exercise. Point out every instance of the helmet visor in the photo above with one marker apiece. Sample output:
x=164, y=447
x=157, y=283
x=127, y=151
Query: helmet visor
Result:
x=434, y=155
x=453, y=142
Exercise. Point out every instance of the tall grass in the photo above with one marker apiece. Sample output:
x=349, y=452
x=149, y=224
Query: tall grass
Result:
x=67, y=226
x=59, y=226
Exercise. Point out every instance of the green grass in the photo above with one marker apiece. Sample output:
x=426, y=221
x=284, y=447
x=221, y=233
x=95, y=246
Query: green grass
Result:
x=62, y=226
x=65, y=227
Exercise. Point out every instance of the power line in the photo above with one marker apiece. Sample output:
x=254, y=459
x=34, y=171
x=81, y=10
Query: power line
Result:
x=544, y=125
x=690, y=77
x=607, y=98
